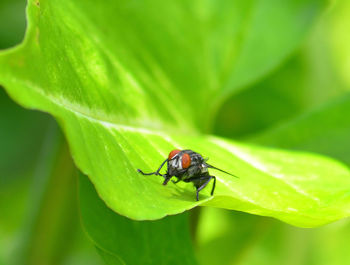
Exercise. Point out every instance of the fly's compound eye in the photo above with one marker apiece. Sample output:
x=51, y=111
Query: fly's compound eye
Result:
x=186, y=160
x=173, y=153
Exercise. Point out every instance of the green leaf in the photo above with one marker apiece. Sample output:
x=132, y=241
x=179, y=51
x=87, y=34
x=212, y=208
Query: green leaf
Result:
x=307, y=80
x=264, y=241
x=128, y=82
x=123, y=50
x=120, y=240
x=296, y=88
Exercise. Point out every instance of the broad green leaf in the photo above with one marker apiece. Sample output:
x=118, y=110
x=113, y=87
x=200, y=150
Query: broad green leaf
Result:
x=127, y=82
x=310, y=78
x=127, y=60
x=123, y=241
x=296, y=88
x=326, y=131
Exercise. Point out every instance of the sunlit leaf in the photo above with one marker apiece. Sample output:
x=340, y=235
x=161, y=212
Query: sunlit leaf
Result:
x=264, y=241
x=129, y=81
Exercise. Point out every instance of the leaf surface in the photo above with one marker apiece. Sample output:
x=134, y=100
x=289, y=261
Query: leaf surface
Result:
x=130, y=81
x=326, y=131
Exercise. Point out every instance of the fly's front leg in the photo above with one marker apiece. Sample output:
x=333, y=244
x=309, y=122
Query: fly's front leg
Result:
x=167, y=178
x=176, y=181
x=155, y=173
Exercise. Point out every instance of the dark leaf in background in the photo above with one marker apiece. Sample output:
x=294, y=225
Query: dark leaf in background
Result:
x=307, y=80
x=124, y=241
x=325, y=131
x=12, y=26
x=21, y=137
x=238, y=238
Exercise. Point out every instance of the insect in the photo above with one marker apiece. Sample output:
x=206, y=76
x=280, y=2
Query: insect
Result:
x=187, y=166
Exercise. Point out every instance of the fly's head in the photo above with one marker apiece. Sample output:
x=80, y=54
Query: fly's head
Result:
x=186, y=162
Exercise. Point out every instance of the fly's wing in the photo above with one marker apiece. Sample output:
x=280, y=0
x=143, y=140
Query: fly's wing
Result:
x=210, y=166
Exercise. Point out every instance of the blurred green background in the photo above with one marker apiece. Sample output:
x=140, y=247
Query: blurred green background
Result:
x=315, y=77
x=31, y=146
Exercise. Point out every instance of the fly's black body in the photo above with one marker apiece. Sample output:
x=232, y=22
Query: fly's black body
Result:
x=187, y=166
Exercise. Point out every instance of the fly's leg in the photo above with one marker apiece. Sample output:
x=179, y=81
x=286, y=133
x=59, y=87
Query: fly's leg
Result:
x=155, y=173
x=166, y=180
x=203, y=186
x=213, y=188
x=152, y=173
x=176, y=181
x=206, y=178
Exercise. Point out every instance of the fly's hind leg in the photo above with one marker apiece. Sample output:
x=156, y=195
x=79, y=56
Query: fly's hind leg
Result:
x=204, y=185
x=213, y=188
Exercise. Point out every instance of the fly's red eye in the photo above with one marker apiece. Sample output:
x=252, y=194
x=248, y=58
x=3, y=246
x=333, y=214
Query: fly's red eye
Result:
x=173, y=153
x=186, y=160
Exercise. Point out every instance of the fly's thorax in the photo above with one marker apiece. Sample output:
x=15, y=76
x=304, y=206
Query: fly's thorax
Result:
x=204, y=168
x=196, y=169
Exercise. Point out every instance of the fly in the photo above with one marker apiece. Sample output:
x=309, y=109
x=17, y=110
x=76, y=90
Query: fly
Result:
x=187, y=166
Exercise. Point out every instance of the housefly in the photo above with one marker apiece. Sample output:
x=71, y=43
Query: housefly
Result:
x=187, y=166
